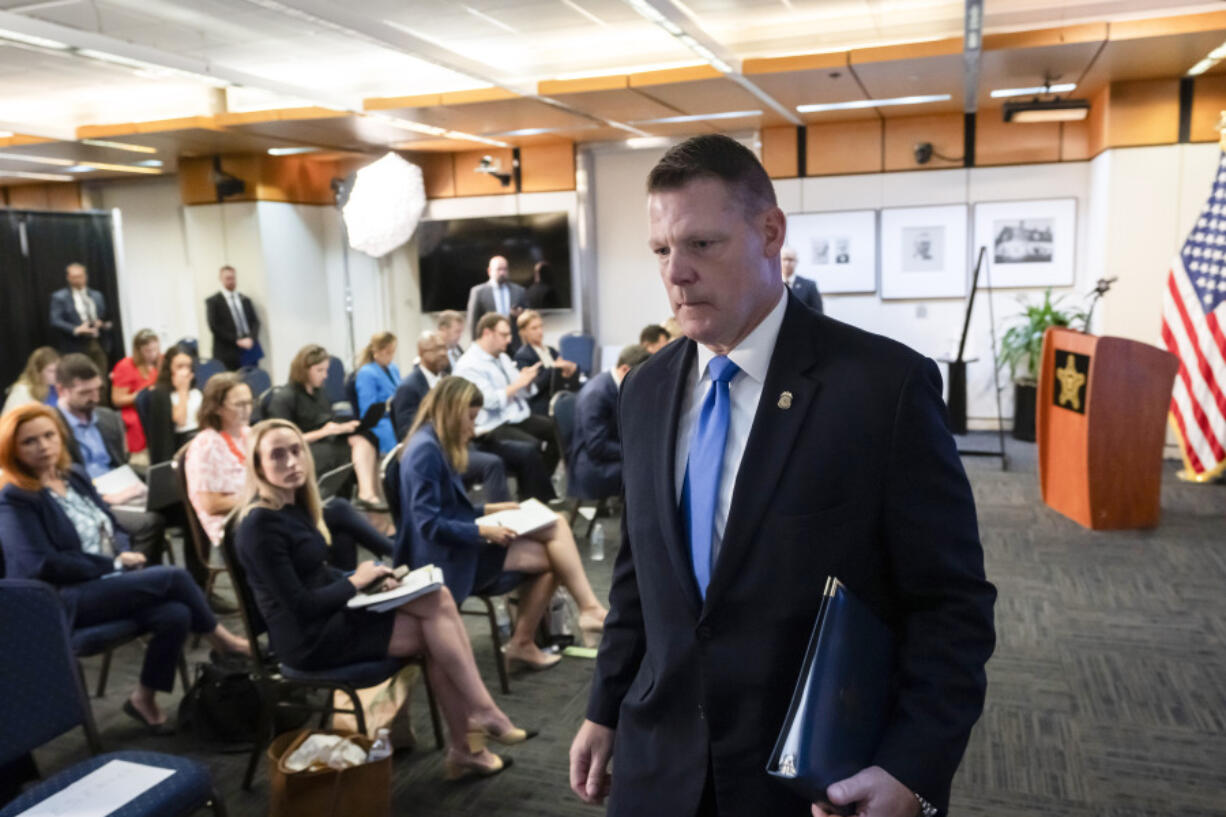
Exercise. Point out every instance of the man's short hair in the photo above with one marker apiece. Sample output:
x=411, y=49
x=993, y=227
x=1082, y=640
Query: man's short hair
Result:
x=715, y=156
x=448, y=317
x=632, y=355
x=490, y=320
x=227, y=267
x=653, y=333
x=75, y=367
x=526, y=317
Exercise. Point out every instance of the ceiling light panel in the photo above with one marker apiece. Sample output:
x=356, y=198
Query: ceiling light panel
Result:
x=1040, y=90
x=873, y=103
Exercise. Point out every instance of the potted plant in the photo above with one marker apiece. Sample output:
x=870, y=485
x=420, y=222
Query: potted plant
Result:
x=1020, y=349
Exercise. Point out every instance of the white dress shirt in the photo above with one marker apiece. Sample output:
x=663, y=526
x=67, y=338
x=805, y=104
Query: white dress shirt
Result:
x=753, y=357
x=432, y=379
x=492, y=375
x=502, y=299
x=87, y=310
x=546, y=358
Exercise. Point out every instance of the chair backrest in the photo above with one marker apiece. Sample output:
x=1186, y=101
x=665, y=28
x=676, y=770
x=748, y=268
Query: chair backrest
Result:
x=43, y=697
x=256, y=379
x=579, y=349
x=351, y=392
x=562, y=409
x=389, y=471
x=330, y=484
x=334, y=386
x=142, y=407
x=189, y=345
x=205, y=369
x=253, y=621
x=195, y=531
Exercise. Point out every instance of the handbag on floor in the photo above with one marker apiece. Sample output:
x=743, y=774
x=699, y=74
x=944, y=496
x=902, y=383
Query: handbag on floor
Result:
x=358, y=791
x=385, y=706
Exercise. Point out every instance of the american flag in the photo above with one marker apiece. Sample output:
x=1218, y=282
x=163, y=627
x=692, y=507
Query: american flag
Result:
x=1192, y=330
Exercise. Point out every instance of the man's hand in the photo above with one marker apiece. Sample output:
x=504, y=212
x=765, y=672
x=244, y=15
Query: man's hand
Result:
x=568, y=368
x=526, y=376
x=181, y=380
x=86, y=329
x=875, y=792
x=244, y=343
x=131, y=560
x=590, y=754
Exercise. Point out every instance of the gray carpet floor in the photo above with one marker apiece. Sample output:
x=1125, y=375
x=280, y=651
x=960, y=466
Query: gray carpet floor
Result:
x=1106, y=696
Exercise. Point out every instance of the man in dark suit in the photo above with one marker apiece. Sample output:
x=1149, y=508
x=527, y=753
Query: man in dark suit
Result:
x=768, y=449
x=554, y=374
x=596, y=453
x=234, y=324
x=497, y=295
x=804, y=289
x=483, y=468
x=78, y=314
x=98, y=442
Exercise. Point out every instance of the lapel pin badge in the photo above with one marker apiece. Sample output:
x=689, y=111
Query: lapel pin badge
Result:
x=785, y=400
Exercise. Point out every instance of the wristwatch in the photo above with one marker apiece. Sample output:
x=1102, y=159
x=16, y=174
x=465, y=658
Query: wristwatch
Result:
x=926, y=808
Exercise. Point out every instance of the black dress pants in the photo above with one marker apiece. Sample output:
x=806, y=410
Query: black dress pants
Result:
x=530, y=449
x=166, y=603
x=349, y=528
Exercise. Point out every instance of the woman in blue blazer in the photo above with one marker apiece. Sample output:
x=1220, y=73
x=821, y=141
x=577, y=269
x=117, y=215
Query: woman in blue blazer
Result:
x=376, y=381
x=54, y=527
x=439, y=525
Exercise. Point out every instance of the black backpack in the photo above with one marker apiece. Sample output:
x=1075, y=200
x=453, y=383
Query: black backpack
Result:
x=223, y=703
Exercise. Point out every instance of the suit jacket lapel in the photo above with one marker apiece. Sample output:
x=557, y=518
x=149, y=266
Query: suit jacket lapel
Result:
x=770, y=442
x=665, y=469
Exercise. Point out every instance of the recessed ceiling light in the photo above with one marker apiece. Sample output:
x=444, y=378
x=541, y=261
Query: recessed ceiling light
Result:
x=872, y=103
x=28, y=39
x=1213, y=58
x=150, y=163
x=639, y=142
x=80, y=169
x=701, y=117
x=1062, y=88
x=42, y=177
x=58, y=162
x=292, y=151
x=6, y=134
x=103, y=143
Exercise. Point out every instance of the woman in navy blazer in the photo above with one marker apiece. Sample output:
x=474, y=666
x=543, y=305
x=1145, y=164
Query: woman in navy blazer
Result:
x=439, y=524
x=376, y=381
x=54, y=527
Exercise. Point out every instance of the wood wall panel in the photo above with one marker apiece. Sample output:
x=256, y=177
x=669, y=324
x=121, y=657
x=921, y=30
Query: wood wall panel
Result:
x=1096, y=121
x=902, y=134
x=1074, y=141
x=468, y=182
x=1144, y=112
x=1008, y=143
x=547, y=167
x=291, y=179
x=779, y=152
x=438, y=173
x=834, y=148
x=1208, y=102
x=58, y=196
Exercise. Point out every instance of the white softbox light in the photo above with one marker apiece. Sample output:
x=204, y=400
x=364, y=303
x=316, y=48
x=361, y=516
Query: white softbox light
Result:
x=386, y=203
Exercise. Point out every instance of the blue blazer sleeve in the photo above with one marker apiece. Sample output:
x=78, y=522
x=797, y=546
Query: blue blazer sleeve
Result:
x=63, y=313
x=597, y=418
x=433, y=509
x=30, y=552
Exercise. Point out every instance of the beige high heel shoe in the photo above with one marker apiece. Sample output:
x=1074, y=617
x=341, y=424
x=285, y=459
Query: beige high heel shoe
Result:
x=457, y=769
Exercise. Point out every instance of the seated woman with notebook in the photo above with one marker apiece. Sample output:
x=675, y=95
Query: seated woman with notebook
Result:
x=439, y=525
x=283, y=543
x=55, y=528
x=304, y=403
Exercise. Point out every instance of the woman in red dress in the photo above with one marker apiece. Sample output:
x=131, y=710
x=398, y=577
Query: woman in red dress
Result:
x=129, y=376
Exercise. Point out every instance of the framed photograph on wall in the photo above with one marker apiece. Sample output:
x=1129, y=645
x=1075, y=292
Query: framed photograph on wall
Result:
x=1030, y=243
x=923, y=252
x=837, y=250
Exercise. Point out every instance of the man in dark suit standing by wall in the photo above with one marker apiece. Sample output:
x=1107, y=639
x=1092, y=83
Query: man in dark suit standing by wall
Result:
x=596, y=458
x=484, y=468
x=497, y=295
x=768, y=449
x=78, y=314
x=804, y=289
x=233, y=322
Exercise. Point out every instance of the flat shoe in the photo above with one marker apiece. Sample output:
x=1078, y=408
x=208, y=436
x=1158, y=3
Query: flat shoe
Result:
x=549, y=662
x=459, y=769
x=162, y=728
x=510, y=737
x=367, y=505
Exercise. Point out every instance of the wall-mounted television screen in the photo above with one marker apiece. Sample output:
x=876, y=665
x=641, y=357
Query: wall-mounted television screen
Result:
x=453, y=256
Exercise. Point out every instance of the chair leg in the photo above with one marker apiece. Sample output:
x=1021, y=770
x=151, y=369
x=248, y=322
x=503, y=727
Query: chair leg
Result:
x=263, y=734
x=496, y=637
x=219, y=805
x=359, y=714
x=102, y=675
x=436, y=722
x=184, y=678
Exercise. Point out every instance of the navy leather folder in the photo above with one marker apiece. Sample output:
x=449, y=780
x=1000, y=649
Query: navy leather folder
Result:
x=842, y=701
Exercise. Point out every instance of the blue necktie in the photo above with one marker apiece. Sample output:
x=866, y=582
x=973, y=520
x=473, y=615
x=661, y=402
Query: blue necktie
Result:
x=702, y=470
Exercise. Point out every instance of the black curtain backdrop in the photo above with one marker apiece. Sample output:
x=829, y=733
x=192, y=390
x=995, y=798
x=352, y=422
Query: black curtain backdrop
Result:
x=35, y=249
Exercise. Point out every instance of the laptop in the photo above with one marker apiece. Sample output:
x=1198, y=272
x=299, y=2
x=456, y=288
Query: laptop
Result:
x=161, y=489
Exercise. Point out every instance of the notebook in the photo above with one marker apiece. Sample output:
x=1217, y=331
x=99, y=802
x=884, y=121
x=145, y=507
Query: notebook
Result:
x=531, y=515
x=419, y=582
x=843, y=698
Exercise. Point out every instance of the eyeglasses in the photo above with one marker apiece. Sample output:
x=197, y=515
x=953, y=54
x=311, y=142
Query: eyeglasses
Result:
x=245, y=404
x=280, y=455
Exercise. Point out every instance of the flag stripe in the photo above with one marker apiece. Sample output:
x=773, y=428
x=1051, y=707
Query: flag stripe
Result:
x=1207, y=434
x=1202, y=380
x=1199, y=450
x=1189, y=450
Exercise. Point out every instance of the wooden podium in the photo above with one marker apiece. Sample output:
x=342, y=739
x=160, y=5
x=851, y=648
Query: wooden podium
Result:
x=1101, y=423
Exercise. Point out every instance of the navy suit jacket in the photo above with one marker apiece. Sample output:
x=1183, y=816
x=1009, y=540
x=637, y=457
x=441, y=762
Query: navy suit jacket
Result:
x=407, y=399
x=855, y=476
x=526, y=356
x=437, y=521
x=64, y=319
x=481, y=301
x=596, y=461
x=40, y=541
x=806, y=292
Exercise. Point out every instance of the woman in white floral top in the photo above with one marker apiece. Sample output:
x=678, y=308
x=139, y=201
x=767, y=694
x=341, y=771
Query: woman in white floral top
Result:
x=217, y=457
